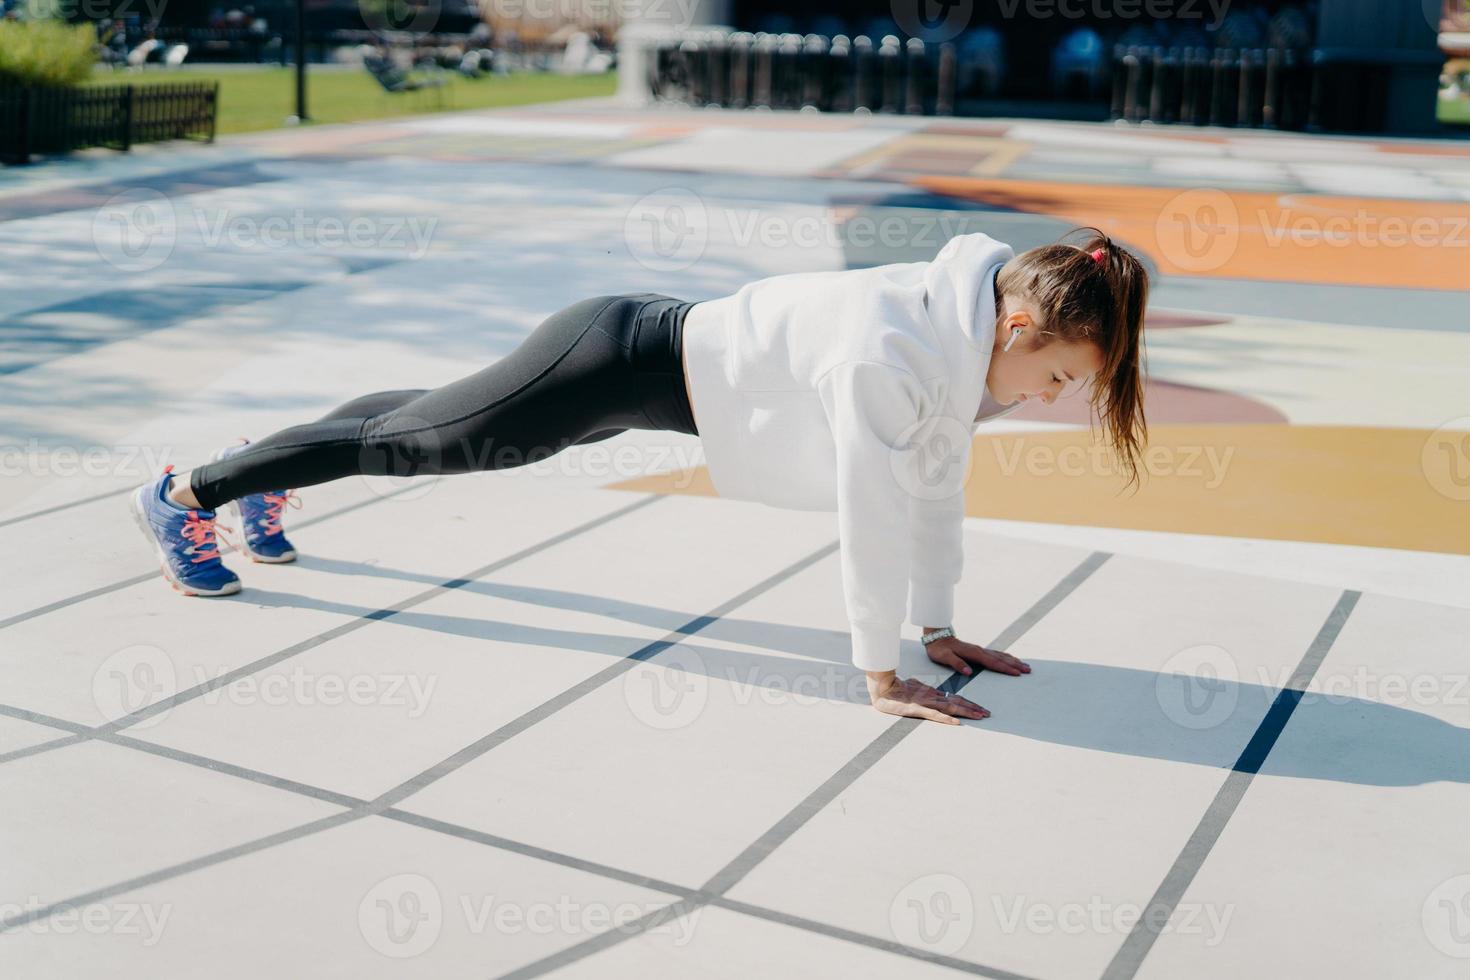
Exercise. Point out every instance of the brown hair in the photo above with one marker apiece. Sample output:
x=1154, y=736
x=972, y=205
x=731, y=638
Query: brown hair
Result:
x=1077, y=298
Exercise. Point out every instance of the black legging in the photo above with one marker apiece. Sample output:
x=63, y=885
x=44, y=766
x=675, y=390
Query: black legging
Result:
x=586, y=373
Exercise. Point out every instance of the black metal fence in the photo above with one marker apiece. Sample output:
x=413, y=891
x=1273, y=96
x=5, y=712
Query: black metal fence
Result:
x=1264, y=87
x=790, y=71
x=1295, y=88
x=60, y=120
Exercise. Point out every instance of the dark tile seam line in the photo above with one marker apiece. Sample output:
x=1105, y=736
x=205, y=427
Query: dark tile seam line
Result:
x=102, y=590
x=351, y=626
x=485, y=838
x=385, y=801
x=726, y=878
x=1140, y=939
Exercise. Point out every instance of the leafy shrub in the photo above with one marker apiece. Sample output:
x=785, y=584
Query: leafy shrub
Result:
x=46, y=52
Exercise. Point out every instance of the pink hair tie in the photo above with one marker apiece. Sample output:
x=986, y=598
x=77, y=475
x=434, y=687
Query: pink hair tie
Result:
x=1097, y=255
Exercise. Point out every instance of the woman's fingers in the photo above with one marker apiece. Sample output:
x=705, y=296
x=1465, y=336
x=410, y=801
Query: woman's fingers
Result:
x=948, y=658
x=953, y=704
x=994, y=660
x=967, y=706
x=915, y=699
x=923, y=711
x=914, y=706
x=1016, y=662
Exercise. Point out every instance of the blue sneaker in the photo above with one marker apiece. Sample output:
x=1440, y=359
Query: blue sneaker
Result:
x=184, y=540
x=260, y=518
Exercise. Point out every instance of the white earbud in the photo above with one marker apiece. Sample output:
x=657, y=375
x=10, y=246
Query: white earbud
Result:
x=1015, y=332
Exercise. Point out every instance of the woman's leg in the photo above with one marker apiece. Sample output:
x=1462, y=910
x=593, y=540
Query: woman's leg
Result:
x=182, y=492
x=599, y=436
x=366, y=406
x=573, y=379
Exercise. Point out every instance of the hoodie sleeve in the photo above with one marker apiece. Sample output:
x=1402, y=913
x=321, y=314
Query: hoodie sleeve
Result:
x=938, y=558
x=936, y=518
x=873, y=409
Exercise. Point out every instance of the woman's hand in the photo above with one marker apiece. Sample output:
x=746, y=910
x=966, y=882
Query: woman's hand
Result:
x=915, y=699
x=957, y=655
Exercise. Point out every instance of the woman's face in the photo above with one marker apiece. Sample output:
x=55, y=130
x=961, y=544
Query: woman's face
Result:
x=1027, y=372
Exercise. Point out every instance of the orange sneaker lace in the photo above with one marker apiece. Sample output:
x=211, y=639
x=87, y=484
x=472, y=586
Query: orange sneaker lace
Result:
x=202, y=532
x=274, y=507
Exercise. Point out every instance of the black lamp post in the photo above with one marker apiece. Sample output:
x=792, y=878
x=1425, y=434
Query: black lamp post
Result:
x=301, y=61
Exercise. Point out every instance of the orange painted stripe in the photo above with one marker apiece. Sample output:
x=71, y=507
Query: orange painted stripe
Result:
x=1310, y=238
x=1387, y=488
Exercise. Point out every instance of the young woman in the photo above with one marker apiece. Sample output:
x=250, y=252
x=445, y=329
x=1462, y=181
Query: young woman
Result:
x=857, y=391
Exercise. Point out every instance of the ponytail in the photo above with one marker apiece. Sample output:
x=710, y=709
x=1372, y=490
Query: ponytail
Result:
x=1096, y=292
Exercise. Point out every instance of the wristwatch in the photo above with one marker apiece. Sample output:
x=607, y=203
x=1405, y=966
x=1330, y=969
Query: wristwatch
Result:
x=938, y=634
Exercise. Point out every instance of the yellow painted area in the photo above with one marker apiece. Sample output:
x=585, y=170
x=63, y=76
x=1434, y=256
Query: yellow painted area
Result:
x=1005, y=153
x=1379, y=487
x=999, y=152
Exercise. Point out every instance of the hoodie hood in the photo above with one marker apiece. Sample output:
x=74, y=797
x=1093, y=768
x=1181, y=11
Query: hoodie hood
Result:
x=959, y=295
x=960, y=288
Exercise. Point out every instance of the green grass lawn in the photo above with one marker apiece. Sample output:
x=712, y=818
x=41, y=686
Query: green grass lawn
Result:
x=254, y=99
x=1454, y=110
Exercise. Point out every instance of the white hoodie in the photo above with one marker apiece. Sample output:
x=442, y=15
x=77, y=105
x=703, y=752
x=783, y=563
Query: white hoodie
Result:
x=857, y=391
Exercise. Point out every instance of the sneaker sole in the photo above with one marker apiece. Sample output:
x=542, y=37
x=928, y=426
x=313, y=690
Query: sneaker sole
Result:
x=140, y=517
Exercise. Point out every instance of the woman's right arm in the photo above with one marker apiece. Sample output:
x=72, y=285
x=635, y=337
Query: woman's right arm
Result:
x=914, y=699
x=872, y=408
